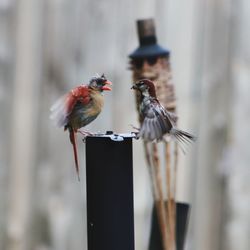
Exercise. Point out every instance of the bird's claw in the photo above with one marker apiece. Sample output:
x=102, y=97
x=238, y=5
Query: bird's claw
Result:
x=136, y=135
x=85, y=134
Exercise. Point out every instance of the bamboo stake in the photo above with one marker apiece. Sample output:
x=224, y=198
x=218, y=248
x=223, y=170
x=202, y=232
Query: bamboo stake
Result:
x=170, y=198
x=176, y=156
x=156, y=185
x=160, y=203
x=151, y=171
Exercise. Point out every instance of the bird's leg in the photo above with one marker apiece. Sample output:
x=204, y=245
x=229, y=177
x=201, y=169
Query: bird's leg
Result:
x=136, y=133
x=85, y=134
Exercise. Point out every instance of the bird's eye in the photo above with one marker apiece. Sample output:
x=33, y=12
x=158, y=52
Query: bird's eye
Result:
x=100, y=81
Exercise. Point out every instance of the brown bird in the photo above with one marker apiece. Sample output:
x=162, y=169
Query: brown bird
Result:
x=157, y=121
x=79, y=107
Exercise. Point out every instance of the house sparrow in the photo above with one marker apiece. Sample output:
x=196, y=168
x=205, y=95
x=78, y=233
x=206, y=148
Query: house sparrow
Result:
x=156, y=120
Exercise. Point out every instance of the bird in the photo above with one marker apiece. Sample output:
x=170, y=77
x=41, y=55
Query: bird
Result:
x=79, y=107
x=157, y=122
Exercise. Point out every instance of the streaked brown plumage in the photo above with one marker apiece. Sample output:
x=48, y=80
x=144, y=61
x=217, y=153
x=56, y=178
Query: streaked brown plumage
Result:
x=157, y=121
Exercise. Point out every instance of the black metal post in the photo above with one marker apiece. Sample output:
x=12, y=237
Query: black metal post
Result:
x=109, y=176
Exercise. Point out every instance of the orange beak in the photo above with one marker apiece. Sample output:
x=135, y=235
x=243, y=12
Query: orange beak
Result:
x=105, y=87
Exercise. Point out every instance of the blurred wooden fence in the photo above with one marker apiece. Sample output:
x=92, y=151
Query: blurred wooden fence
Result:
x=47, y=47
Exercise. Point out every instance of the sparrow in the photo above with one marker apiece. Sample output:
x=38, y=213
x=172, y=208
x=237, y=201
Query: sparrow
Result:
x=79, y=107
x=156, y=120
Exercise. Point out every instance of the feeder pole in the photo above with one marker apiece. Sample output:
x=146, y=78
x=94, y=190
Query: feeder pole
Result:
x=109, y=177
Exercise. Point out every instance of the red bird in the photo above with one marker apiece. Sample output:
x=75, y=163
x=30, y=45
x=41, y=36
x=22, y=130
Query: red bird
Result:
x=80, y=107
x=157, y=121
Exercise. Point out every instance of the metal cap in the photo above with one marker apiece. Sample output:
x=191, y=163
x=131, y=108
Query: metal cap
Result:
x=148, y=41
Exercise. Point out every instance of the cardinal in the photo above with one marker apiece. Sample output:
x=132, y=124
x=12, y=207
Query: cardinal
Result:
x=79, y=107
x=156, y=120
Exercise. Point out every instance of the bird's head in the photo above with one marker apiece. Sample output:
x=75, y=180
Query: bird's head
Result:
x=100, y=83
x=146, y=87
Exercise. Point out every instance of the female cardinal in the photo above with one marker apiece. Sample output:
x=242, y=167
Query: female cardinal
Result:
x=156, y=120
x=79, y=107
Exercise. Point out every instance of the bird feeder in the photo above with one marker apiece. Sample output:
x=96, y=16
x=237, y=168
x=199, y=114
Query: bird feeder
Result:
x=169, y=219
x=151, y=61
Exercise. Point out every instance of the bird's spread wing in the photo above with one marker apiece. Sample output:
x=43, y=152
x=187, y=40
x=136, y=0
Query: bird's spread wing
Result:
x=64, y=105
x=171, y=116
x=156, y=121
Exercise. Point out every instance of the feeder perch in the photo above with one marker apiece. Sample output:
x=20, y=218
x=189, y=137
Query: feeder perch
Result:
x=109, y=178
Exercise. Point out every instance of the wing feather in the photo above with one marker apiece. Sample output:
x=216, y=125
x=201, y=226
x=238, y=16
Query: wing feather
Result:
x=63, y=107
x=156, y=122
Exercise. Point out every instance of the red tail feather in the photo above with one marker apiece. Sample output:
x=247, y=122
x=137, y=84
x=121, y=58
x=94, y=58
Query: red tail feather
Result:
x=72, y=137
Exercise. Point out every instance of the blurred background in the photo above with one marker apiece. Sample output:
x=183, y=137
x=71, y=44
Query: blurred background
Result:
x=48, y=47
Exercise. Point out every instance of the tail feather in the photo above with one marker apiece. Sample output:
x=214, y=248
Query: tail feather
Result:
x=72, y=136
x=182, y=136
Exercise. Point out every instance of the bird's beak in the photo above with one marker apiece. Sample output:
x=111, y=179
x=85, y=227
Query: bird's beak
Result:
x=105, y=87
x=134, y=87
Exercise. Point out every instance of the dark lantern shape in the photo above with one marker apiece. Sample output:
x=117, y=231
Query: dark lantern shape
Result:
x=148, y=42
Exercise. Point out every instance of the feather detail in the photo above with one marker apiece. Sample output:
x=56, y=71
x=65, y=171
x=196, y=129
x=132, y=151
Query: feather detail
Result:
x=172, y=117
x=72, y=137
x=65, y=105
x=182, y=136
x=156, y=122
x=61, y=109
